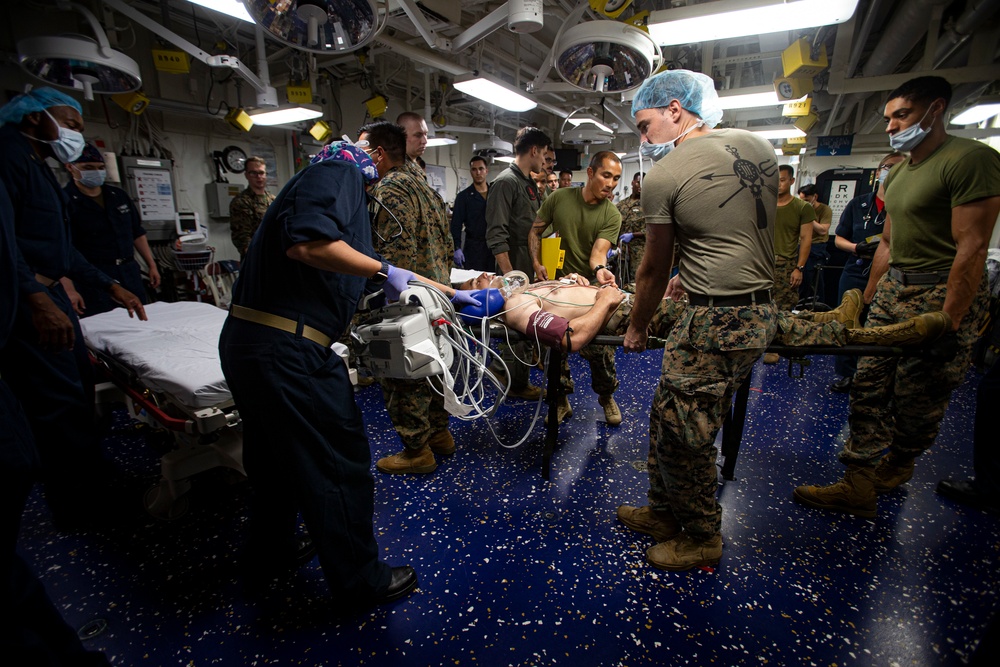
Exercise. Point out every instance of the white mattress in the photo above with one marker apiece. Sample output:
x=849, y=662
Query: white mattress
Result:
x=175, y=352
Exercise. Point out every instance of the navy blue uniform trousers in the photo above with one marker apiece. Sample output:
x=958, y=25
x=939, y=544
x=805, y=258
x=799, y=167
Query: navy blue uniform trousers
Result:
x=56, y=390
x=304, y=450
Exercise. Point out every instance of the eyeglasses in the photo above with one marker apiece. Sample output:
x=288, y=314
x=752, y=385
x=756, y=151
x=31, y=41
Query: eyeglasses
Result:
x=256, y=173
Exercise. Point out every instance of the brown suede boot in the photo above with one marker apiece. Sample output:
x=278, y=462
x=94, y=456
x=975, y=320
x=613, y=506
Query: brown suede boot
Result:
x=854, y=494
x=563, y=410
x=661, y=525
x=846, y=313
x=920, y=329
x=408, y=461
x=442, y=443
x=612, y=415
x=892, y=471
x=684, y=552
x=771, y=358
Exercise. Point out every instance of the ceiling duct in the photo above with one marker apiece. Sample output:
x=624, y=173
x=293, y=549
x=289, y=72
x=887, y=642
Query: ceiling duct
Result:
x=319, y=26
x=80, y=62
x=606, y=56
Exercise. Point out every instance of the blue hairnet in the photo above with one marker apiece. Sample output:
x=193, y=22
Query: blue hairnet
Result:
x=38, y=99
x=695, y=92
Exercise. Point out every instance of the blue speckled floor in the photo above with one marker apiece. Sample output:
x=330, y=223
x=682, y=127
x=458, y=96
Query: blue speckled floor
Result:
x=518, y=571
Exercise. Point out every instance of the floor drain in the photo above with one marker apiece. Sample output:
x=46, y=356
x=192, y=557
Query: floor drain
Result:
x=92, y=628
x=641, y=466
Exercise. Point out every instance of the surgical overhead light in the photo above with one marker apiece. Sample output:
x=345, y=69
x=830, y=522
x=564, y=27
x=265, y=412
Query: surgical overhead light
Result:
x=587, y=131
x=984, y=109
x=493, y=147
x=495, y=92
x=606, y=56
x=726, y=19
x=80, y=62
x=232, y=8
x=285, y=114
x=320, y=26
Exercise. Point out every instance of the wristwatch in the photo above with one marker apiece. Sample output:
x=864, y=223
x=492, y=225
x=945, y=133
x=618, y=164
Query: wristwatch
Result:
x=382, y=274
x=801, y=268
x=598, y=268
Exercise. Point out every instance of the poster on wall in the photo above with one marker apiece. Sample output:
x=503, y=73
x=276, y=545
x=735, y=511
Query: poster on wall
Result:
x=841, y=192
x=155, y=194
x=437, y=180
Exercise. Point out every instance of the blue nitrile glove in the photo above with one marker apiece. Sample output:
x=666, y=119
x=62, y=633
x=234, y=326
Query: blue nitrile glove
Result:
x=626, y=237
x=464, y=298
x=459, y=258
x=397, y=282
x=612, y=253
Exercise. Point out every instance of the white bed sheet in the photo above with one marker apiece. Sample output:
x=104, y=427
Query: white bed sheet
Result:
x=175, y=352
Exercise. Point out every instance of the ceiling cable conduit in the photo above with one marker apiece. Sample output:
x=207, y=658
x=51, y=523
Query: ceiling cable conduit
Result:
x=971, y=20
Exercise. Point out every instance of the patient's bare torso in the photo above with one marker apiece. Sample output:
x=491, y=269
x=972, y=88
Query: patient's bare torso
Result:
x=552, y=296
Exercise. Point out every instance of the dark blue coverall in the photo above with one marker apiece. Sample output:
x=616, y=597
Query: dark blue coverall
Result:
x=55, y=388
x=860, y=220
x=33, y=631
x=470, y=213
x=304, y=443
x=105, y=236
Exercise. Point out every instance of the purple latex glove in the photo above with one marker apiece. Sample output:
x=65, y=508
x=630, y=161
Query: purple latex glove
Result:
x=464, y=298
x=397, y=282
x=626, y=237
x=459, y=258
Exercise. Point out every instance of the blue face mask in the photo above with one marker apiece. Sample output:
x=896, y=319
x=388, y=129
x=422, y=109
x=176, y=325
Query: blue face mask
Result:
x=906, y=140
x=93, y=178
x=70, y=144
x=656, y=152
x=883, y=173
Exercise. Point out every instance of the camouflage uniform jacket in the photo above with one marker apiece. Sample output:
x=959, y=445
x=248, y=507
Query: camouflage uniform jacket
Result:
x=633, y=221
x=425, y=246
x=245, y=213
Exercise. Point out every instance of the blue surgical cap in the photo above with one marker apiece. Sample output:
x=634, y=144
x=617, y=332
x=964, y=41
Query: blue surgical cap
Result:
x=693, y=90
x=38, y=99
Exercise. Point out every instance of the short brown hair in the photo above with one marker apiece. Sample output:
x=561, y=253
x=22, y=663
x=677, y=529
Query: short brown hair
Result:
x=255, y=158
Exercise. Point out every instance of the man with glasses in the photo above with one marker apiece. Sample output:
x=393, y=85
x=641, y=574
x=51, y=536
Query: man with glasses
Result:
x=248, y=208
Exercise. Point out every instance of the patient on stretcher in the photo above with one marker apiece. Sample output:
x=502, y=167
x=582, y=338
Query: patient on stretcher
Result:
x=569, y=313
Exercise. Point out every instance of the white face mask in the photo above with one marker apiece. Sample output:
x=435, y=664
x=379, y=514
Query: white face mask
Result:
x=883, y=173
x=906, y=140
x=93, y=178
x=70, y=144
x=656, y=152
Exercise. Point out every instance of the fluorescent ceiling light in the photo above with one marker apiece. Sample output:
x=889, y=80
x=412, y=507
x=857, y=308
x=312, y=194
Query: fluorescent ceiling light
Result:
x=286, y=114
x=779, y=132
x=441, y=140
x=753, y=97
x=726, y=19
x=496, y=93
x=506, y=158
x=576, y=122
x=977, y=114
x=232, y=8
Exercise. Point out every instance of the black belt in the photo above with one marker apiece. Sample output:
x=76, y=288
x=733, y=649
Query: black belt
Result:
x=919, y=277
x=760, y=297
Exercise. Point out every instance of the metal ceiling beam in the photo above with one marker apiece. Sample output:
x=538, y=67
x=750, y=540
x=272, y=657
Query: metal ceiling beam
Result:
x=874, y=84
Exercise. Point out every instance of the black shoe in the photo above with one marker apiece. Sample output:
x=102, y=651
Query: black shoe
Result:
x=402, y=583
x=843, y=385
x=963, y=492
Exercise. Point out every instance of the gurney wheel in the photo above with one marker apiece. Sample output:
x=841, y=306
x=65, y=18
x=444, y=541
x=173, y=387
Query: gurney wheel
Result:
x=160, y=503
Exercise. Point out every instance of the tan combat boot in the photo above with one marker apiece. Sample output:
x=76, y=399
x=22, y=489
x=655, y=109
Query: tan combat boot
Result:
x=683, y=553
x=442, y=443
x=563, y=410
x=661, y=525
x=892, y=471
x=920, y=329
x=846, y=313
x=771, y=358
x=408, y=461
x=612, y=415
x=854, y=494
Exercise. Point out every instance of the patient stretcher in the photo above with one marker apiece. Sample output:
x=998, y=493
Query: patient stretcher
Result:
x=168, y=373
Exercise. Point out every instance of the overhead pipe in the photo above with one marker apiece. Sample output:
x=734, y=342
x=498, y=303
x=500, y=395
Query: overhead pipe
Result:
x=959, y=34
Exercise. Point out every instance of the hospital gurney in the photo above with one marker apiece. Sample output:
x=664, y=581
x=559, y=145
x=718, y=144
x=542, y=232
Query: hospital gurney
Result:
x=168, y=373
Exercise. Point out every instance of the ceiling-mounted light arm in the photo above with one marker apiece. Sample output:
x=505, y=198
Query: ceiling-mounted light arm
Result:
x=102, y=39
x=571, y=20
x=423, y=27
x=266, y=94
x=481, y=28
x=622, y=118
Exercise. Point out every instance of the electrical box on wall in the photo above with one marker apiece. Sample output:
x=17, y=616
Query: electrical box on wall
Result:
x=219, y=196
